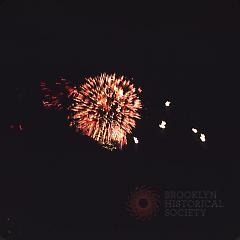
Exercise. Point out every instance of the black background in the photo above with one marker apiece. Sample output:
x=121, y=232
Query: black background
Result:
x=56, y=184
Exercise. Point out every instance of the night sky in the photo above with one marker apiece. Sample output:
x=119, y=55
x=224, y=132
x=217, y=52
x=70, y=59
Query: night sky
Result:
x=57, y=184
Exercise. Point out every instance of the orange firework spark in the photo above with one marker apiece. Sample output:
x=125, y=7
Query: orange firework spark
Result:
x=55, y=97
x=105, y=108
x=143, y=203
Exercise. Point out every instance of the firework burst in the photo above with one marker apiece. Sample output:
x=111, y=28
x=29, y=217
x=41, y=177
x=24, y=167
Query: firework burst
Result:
x=143, y=203
x=57, y=95
x=105, y=108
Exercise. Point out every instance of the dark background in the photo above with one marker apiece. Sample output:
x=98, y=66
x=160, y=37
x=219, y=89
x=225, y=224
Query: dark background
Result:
x=56, y=184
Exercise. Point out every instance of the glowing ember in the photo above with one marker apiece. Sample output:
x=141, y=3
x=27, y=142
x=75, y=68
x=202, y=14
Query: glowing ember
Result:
x=105, y=108
x=143, y=203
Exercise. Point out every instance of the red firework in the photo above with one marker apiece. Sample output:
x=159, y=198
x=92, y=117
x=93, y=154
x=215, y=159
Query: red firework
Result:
x=105, y=108
x=57, y=95
x=143, y=203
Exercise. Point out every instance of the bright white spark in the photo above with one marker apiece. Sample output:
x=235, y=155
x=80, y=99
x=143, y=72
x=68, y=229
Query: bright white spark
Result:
x=194, y=130
x=202, y=137
x=135, y=140
x=162, y=124
x=167, y=103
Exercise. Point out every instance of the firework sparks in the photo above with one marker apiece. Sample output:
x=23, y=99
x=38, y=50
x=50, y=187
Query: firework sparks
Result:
x=56, y=96
x=143, y=203
x=167, y=103
x=194, y=130
x=202, y=137
x=105, y=108
x=162, y=125
x=135, y=139
x=17, y=127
